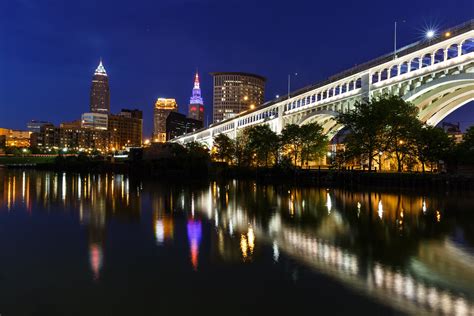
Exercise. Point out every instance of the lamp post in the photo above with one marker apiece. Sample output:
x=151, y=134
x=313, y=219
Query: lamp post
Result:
x=289, y=83
x=395, y=39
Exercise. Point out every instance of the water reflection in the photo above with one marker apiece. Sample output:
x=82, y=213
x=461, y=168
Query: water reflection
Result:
x=194, y=238
x=414, y=253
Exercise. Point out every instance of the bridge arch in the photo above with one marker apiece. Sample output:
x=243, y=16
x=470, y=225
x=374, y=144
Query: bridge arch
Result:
x=325, y=118
x=467, y=46
x=442, y=96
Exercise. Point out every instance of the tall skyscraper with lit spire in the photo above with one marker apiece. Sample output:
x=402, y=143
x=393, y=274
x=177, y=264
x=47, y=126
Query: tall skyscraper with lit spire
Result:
x=196, y=104
x=100, y=93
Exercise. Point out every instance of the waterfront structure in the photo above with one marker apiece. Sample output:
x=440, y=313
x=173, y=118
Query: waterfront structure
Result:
x=235, y=92
x=163, y=107
x=196, y=103
x=35, y=126
x=100, y=92
x=78, y=138
x=71, y=124
x=436, y=75
x=125, y=129
x=95, y=121
x=47, y=137
x=70, y=137
x=178, y=124
x=15, y=138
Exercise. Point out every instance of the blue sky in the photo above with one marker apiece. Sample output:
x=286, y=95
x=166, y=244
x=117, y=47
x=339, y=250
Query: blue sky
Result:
x=49, y=49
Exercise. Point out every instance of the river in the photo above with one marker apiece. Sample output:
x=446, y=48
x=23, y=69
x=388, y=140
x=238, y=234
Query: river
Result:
x=105, y=244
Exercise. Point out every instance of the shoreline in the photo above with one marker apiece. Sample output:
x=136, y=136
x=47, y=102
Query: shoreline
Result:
x=330, y=178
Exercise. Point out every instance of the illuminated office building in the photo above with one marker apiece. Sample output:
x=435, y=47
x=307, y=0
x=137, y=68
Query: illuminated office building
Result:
x=125, y=129
x=95, y=121
x=163, y=107
x=100, y=92
x=196, y=103
x=235, y=92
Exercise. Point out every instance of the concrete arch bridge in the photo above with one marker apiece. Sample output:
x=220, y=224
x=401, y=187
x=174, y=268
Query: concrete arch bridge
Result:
x=437, y=76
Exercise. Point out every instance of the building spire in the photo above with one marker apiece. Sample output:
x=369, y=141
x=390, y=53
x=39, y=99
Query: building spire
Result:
x=100, y=69
x=196, y=81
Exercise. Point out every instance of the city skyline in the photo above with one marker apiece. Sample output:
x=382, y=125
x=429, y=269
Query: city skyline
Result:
x=137, y=82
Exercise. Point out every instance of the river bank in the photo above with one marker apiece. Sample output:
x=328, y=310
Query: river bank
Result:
x=198, y=170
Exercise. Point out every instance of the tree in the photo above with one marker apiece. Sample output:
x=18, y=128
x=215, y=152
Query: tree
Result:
x=468, y=139
x=386, y=124
x=365, y=125
x=464, y=152
x=314, y=142
x=223, y=149
x=263, y=143
x=292, y=142
x=303, y=143
x=242, y=151
x=401, y=126
x=197, y=151
x=432, y=144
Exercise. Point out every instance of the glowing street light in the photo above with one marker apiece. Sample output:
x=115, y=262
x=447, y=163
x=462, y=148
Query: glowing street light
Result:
x=430, y=34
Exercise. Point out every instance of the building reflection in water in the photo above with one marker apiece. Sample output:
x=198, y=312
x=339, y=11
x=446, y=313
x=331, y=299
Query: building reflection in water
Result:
x=163, y=226
x=93, y=196
x=400, y=249
x=95, y=259
x=194, y=237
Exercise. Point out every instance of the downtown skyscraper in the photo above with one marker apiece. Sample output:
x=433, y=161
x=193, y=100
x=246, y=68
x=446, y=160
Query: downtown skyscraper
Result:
x=235, y=92
x=100, y=92
x=196, y=103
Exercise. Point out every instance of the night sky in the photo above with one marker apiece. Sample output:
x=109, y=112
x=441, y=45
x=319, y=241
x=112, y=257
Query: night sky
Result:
x=50, y=49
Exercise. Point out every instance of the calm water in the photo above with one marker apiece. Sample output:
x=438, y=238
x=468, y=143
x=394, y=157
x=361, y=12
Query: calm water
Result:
x=110, y=245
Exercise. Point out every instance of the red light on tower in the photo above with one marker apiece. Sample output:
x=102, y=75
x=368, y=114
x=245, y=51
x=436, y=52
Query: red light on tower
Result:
x=196, y=104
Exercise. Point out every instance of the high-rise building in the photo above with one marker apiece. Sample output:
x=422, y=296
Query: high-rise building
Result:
x=235, y=92
x=15, y=138
x=178, y=124
x=94, y=121
x=47, y=137
x=163, y=107
x=100, y=93
x=196, y=104
x=125, y=129
x=35, y=126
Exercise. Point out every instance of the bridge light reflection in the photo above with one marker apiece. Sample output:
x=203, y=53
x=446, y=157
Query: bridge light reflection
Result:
x=380, y=209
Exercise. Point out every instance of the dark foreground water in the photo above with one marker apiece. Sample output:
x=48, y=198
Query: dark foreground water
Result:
x=110, y=245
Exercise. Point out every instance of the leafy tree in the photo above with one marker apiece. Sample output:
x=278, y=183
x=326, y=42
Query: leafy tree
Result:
x=243, y=153
x=314, y=142
x=303, y=143
x=468, y=139
x=366, y=125
x=292, y=142
x=432, y=144
x=464, y=152
x=401, y=125
x=387, y=124
x=263, y=144
x=197, y=151
x=223, y=148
